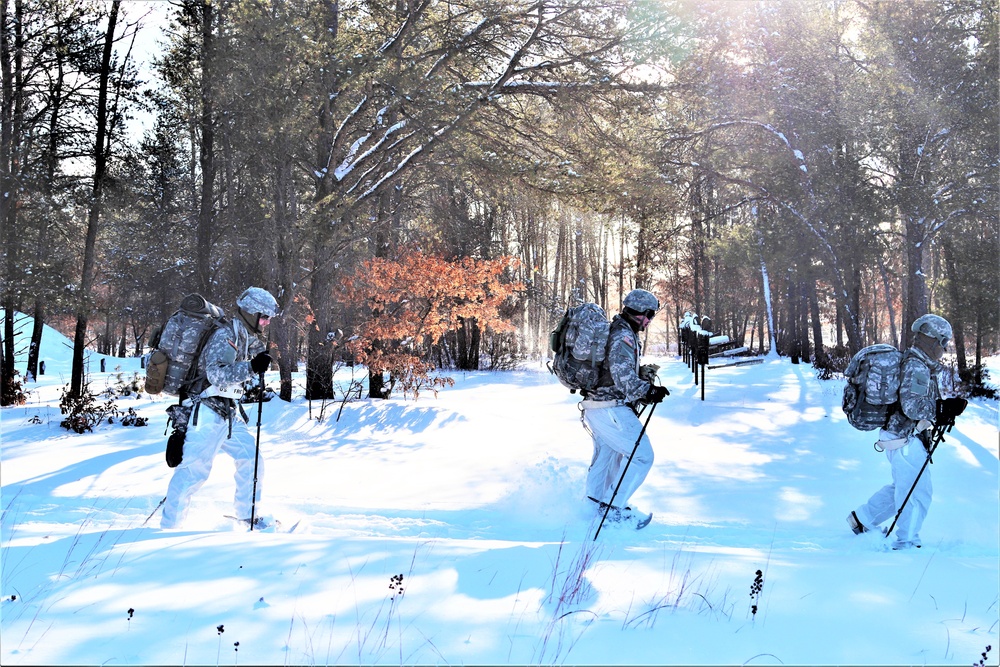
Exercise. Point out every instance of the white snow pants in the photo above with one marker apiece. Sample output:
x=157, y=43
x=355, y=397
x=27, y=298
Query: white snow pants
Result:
x=615, y=431
x=202, y=443
x=884, y=503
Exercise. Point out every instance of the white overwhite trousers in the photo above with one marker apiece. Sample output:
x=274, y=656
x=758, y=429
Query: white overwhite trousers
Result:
x=884, y=503
x=202, y=443
x=615, y=431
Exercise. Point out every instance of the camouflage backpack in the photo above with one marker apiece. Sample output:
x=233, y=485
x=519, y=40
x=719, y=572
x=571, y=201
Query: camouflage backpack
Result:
x=173, y=365
x=872, y=386
x=579, y=345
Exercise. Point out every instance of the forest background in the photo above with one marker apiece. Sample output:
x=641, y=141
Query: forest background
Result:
x=440, y=179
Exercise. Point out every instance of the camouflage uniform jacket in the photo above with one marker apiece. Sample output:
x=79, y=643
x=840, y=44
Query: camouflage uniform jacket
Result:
x=224, y=366
x=918, y=393
x=620, y=376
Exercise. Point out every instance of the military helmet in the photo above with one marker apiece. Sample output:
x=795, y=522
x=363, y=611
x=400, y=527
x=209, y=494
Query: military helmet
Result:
x=933, y=326
x=640, y=301
x=258, y=300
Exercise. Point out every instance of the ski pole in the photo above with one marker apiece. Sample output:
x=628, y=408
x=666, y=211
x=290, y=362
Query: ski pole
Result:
x=154, y=511
x=652, y=408
x=938, y=439
x=256, y=454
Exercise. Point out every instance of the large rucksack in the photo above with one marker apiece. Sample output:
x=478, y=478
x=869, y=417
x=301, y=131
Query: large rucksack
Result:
x=872, y=386
x=579, y=345
x=173, y=365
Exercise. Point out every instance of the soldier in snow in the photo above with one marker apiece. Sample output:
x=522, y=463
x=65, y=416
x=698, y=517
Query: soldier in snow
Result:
x=906, y=437
x=610, y=411
x=232, y=355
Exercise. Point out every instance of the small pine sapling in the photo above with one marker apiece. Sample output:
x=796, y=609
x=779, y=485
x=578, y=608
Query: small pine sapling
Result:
x=130, y=612
x=982, y=661
x=14, y=391
x=83, y=412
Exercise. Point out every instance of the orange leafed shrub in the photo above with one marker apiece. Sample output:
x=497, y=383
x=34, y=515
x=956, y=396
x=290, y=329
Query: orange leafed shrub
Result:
x=413, y=301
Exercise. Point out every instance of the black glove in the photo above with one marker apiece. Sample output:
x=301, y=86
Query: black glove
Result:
x=656, y=394
x=260, y=363
x=948, y=409
x=175, y=449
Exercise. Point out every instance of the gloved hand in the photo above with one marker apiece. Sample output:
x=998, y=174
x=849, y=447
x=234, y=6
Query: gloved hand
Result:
x=175, y=449
x=648, y=372
x=656, y=394
x=948, y=409
x=260, y=363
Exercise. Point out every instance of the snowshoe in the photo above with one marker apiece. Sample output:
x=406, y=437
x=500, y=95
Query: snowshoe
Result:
x=900, y=545
x=266, y=524
x=635, y=517
x=626, y=516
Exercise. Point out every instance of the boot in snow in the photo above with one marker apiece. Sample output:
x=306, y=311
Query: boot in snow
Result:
x=855, y=523
x=630, y=516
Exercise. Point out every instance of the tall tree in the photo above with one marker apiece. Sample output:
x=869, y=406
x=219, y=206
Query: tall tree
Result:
x=205, y=15
x=11, y=43
x=101, y=155
x=937, y=63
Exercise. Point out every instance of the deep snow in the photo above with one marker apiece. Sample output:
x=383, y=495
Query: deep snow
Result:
x=475, y=497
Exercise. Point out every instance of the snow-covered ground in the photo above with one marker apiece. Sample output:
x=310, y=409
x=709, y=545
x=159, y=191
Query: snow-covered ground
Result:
x=475, y=499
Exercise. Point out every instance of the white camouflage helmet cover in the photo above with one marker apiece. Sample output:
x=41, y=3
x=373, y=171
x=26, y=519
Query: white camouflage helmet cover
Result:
x=258, y=300
x=640, y=300
x=933, y=326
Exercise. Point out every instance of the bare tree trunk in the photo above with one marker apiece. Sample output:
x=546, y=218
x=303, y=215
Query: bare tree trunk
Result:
x=915, y=304
x=206, y=209
x=10, y=201
x=621, y=264
x=101, y=150
x=287, y=261
x=817, y=325
x=642, y=272
x=319, y=368
x=557, y=287
x=794, y=342
x=36, y=339
x=955, y=317
x=888, y=300
x=803, y=298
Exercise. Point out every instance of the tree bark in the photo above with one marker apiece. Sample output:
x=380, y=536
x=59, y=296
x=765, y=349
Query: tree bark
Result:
x=206, y=208
x=101, y=151
x=957, y=306
x=319, y=368
x=9, y=192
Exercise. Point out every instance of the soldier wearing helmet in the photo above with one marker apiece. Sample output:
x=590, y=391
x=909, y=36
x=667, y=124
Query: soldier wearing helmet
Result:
x=906, y=437
x=610, y=411
x=233, y=355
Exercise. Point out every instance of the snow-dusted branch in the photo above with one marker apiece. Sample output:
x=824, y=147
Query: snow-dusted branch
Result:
x=553, y=87
x=351, y=161
x=412, y=18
